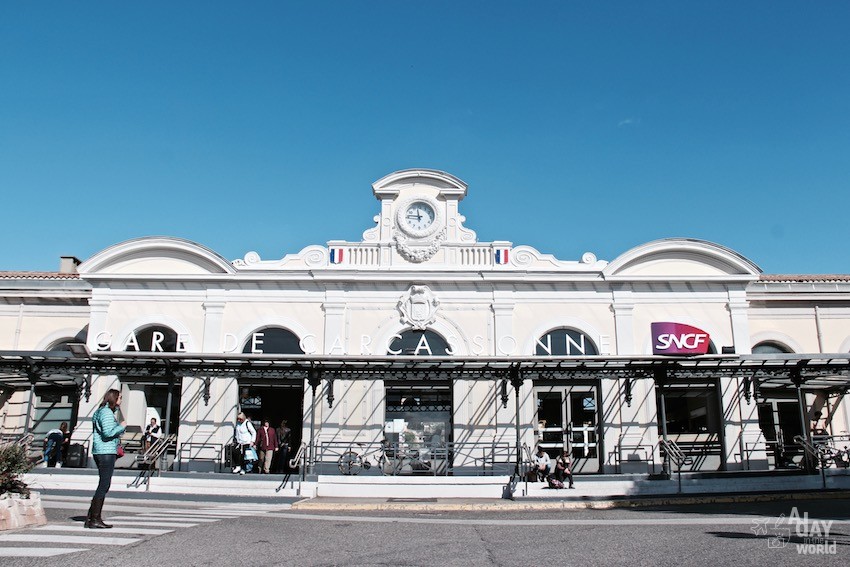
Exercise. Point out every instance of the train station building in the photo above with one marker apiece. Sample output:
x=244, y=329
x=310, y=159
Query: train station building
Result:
x=421, y=334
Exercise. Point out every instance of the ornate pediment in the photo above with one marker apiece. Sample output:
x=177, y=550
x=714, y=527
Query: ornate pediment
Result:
x=418, y=307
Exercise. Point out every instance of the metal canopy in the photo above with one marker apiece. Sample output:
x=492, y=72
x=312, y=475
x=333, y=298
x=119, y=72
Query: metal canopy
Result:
x=768, y=372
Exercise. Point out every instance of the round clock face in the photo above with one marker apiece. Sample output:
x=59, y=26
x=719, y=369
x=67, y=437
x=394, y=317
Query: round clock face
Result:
x=419, y=216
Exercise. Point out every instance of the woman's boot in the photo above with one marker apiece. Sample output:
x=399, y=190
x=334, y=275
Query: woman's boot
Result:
x=87, y=524
x=96, y=521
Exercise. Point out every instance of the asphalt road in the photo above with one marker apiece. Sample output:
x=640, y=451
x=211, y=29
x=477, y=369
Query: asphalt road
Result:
x=200, y=534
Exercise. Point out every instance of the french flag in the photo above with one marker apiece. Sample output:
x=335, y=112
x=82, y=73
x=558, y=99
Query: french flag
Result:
x=501, y=255
x=337, y=255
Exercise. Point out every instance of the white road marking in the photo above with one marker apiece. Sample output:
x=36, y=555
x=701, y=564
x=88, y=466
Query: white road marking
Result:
x=165, y=517
x=113, y=530
x=716, y=521
x=152, y=523
x=37, y=551
x=52, y=538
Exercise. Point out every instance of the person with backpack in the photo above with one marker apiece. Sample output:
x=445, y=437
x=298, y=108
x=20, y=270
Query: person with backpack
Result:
x=106, y=432
x=244, y=436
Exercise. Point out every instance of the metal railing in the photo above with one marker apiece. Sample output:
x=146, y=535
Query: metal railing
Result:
x=24, y=440
x=673, y=453
x=190, y=447
x=150, y=461
x=635, y=454
x=401, y=459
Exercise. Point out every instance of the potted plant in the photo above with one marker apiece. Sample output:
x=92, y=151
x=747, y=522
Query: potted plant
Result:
x=19, y=507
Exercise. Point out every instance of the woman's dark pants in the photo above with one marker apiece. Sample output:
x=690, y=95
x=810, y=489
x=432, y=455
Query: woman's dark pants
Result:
x=105, y=468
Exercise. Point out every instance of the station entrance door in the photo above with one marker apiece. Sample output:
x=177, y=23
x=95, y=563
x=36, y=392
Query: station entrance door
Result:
x=568, y=419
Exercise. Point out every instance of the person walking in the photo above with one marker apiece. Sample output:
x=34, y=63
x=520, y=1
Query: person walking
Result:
x=266, y=442
x=244, y=437
x=284, y=436
x=105, y=434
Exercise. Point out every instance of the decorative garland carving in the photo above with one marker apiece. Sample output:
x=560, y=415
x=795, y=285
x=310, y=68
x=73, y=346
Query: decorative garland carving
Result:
x=418, y=254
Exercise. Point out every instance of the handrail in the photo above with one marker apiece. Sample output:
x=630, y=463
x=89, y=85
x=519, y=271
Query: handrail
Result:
x=817, y=452
x=24, y=440
x=156, y=450
x=190, y=446
x=151, y=457
x=809, y=447
x=675, y=453
x=296, y=461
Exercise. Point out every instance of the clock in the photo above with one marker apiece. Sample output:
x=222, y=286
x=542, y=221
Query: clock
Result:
x=417, y=218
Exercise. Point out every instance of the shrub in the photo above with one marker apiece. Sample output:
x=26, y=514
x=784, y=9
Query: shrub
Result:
x=13, y=463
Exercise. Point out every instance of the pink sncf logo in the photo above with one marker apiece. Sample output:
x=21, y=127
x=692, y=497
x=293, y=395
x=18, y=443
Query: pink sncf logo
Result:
x=678, y=339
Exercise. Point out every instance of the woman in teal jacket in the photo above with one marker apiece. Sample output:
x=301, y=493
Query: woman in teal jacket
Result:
x=106, y=431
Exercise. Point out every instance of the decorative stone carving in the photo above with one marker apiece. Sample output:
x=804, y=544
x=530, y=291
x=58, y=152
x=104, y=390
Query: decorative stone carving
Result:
x=418, y=307
x=419, y=252
x=588, y=258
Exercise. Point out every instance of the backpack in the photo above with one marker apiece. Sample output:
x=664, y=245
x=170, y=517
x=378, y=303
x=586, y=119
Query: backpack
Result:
x=555, y=483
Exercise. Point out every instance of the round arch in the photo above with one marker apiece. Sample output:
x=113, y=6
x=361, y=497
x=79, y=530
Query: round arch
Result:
x=305, y=337
x=275, y=340
x=142, y=323
x=780, y=339
x=574, y=323
x=66, y=335
x=446, y=329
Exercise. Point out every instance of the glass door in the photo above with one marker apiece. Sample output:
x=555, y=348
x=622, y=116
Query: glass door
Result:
x=567, y=420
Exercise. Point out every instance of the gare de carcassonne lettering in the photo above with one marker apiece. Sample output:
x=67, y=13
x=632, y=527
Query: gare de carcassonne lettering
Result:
x=507, y=345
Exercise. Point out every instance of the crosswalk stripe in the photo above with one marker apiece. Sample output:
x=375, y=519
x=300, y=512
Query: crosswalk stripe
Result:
x=232, y=513
x=37, y=551
x=193, y=513
x=113, y=530
x=212, y=513
x=151, y=523
x=166, y=517
x=52, y=538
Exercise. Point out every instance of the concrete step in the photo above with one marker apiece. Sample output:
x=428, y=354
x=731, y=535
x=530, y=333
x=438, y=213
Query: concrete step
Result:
x=588, y=486
x=411, y=487
x=419, y=487
x=174, y=483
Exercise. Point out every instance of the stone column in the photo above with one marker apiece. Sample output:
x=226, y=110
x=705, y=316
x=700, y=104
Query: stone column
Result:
x=744, y=441
x=635, y=437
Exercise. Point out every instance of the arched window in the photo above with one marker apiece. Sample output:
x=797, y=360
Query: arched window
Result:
x=565, y=342
x=771, y=347
x=273, y=340
x=419, y=343
x=157, y=338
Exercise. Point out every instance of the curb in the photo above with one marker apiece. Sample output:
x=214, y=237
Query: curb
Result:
x=358, y=505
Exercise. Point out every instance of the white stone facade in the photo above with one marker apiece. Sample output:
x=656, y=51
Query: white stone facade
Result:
x=420, y=268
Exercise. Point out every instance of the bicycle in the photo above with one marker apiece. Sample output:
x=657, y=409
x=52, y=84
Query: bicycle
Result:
x=352, y=462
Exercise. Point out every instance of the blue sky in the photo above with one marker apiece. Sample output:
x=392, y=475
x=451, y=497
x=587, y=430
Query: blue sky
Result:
x=579, y=126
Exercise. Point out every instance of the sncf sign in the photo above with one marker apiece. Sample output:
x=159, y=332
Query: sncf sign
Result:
x=678, y=339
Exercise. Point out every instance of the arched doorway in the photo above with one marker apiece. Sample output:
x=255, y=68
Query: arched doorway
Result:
x=779, y=418
x=418, y=413
x=277, y=401
x=567, y=415
x=158, y=400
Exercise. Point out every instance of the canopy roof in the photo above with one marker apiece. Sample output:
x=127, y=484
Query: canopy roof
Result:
x=776, y=373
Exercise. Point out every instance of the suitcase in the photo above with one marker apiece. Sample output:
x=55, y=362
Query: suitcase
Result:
x=76, y=457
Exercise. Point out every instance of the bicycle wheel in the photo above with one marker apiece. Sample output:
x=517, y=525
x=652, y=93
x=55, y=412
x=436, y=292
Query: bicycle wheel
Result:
x=349, y=463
